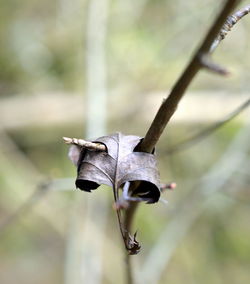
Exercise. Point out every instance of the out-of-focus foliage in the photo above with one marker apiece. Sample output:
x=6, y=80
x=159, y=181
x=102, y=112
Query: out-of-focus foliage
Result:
x=43, y=45
x=148, y=45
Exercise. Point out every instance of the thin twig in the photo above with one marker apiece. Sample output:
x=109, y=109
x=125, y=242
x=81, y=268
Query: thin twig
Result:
x=208, y=64
x=26, y=205
x=230, y=22
x=40, y=191
x=129, y=271
x=191, y=141
x=24, y=177
x=170, y=104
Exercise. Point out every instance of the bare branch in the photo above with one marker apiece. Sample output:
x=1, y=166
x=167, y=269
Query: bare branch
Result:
x=230, y=22
x=169, y=106
x=39, y=192
x=208, y=64
x=129, y=271
x=207, y=131
x=169, y=186
x=41, y=189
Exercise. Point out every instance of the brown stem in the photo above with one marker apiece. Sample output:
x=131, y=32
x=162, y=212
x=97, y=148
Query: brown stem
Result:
x=129, y=271
x=230, y=22
x=170, y=104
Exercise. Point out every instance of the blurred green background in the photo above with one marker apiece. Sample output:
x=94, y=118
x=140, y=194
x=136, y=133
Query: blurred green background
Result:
x=84, y=68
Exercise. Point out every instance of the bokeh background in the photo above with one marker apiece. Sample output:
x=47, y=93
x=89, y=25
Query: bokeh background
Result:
x=86, y=68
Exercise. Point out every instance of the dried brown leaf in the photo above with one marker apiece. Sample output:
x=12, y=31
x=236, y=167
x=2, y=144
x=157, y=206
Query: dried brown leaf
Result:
x=118, y=165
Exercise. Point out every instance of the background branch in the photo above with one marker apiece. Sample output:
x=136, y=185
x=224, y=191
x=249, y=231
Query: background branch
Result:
x=26, y=205
x=169, y=105
x=85, y=247
x=63, y=184
x=207, y=131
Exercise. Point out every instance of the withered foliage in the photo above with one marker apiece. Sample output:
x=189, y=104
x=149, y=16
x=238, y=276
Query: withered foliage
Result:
x=120, y=164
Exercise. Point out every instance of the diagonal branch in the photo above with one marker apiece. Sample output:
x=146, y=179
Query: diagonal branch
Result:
x=41, y=190
x=169, y=105
x=208, y=130
x=230, y=22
